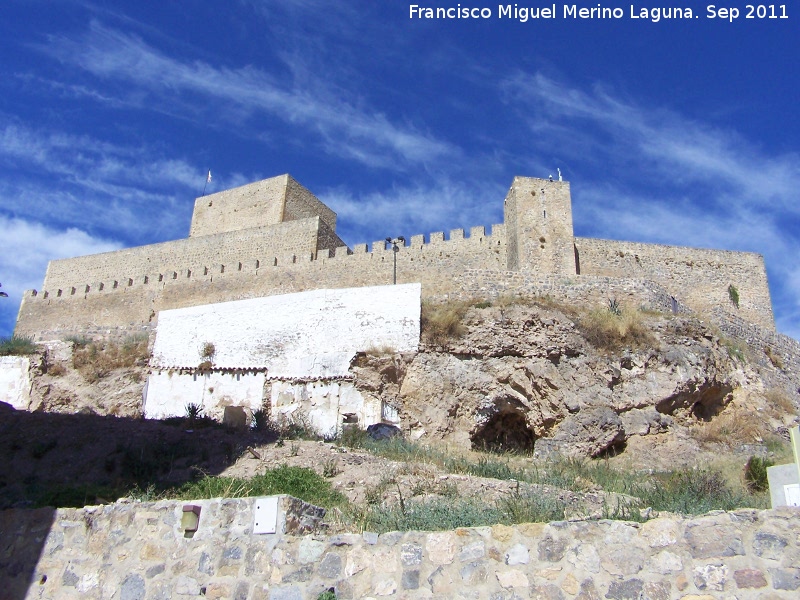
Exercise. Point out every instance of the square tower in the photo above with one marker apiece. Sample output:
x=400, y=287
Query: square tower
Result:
x=267, y=202
x=538, y=217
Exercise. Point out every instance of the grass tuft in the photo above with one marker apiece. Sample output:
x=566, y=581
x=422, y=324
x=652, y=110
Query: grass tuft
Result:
x=610, y=330
x=440, y=323
x=17, y=346
x=300, y=482
x=97, y=359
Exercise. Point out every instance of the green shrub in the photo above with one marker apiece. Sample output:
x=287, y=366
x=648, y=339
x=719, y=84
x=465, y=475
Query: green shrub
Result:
x=755, y=473
x=78, y=341
x=733, y=294
x=300, y=482
x=17, y=346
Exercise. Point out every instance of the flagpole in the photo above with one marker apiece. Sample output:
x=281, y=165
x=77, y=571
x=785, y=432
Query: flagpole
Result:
x=208, y=178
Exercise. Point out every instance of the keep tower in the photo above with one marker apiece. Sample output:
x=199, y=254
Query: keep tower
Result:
x=538, y=217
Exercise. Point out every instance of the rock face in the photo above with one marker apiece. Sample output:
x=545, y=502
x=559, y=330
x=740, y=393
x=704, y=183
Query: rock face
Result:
x=526, y=375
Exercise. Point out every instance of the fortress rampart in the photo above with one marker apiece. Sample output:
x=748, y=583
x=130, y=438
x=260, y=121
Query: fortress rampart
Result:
x=274, y=237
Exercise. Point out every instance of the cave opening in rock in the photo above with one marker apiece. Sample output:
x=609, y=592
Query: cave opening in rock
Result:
x=504, y=432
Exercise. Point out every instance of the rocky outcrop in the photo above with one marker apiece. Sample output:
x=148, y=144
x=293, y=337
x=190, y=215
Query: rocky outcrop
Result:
x=521, y=373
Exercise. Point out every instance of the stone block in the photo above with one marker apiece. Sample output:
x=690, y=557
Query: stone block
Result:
x=749, y=578
x=713, y=536
x=785, y=579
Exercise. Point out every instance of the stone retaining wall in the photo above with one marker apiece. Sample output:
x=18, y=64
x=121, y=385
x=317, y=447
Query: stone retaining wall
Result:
x=138, y=551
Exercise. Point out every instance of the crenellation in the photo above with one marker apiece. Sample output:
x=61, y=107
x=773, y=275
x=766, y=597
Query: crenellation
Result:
x=533, y=252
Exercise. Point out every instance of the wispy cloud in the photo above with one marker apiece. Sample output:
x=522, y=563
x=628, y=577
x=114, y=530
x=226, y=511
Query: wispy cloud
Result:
x=684, y=151
x=344, y=127
x=661, y=177
x=68, y=179
x=412, y=210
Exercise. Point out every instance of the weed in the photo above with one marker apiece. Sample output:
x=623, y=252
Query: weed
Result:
x=755, y=473
x=606, y=330
x=736, y=349
x=330, y=468
x=78, y=341
x=194, y=411
x=208, y=350
x=300, y=482
x=774, y=358
x=17, y=346
x=780, y=403
x=205, y=367
x=95, y=360
x=614, y=308
x=56, y=370
x=327, y=595
x=733, y=294
x=440, y=323
x=378, y=351
x=294, y=449
x=481, y=305
x=353, y=436
x=731, y=428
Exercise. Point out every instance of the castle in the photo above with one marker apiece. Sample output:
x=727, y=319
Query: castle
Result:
x=275, y=237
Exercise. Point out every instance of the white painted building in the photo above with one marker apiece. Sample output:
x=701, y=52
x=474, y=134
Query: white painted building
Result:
x=290, y=353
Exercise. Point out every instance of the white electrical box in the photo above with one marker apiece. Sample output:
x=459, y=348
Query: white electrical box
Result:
x=266, y=515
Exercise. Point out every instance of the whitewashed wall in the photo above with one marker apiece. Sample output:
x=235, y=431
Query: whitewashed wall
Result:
x=306, y=335
x=325, y=403
x=15, y=381
x=305, y=341
x=168, y=394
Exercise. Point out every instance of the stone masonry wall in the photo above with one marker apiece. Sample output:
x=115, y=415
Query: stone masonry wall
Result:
x=302, y=204
x=255, y=270
x=258, y=204
x=180, y=258
x=698, y=277
x=138, y=551
x=533, y=253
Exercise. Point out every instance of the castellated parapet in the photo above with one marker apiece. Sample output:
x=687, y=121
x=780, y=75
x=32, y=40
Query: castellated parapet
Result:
x=274, y=237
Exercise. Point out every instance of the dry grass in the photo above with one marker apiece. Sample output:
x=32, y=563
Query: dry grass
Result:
x=378, y=351
x=774, y=358
x=779, y=403
x=97, y=359
x=442, y=322
x=732, y=428
x=56, y=370
x=605, y=330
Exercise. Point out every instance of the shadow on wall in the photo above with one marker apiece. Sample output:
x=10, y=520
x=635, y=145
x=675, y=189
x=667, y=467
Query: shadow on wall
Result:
x=65, y=460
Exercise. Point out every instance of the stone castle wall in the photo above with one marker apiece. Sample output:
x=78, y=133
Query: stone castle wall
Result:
x=260, y=204
x=139, y=551
x=533, y=252
x=699, y=277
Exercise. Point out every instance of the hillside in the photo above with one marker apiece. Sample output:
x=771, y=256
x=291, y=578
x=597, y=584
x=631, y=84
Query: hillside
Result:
x=644, y=392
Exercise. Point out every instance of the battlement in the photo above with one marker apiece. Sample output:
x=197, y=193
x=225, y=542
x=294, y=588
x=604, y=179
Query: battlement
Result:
x=274, y=237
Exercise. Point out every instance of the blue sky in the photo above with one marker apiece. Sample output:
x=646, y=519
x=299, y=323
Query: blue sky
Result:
x=677, y=131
